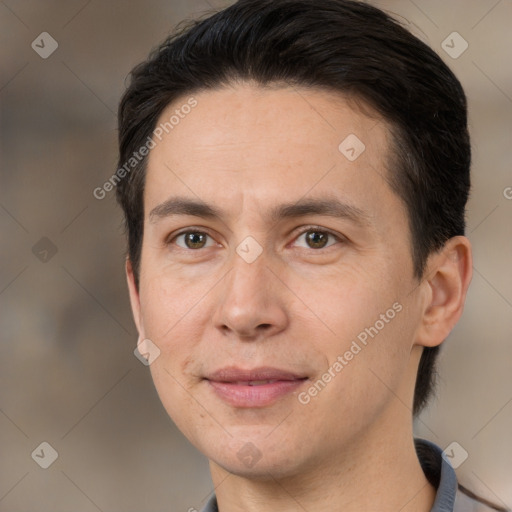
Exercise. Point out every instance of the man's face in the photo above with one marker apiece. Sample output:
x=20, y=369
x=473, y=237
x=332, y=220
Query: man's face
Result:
x=273, y=289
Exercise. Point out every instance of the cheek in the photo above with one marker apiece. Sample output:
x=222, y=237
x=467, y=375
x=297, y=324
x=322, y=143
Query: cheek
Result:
x=173, y=315
x=345, y=303
x=367, y=344
x=168, y=304
x=366, y=379
x=178, y=398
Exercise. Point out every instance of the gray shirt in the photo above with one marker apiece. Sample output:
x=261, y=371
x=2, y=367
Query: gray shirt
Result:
x=438, y=472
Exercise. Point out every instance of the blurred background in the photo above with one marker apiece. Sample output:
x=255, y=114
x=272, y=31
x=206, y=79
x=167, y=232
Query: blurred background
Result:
x=67, y=370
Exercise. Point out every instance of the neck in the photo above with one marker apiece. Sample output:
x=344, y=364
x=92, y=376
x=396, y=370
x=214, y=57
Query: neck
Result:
x=379, y=470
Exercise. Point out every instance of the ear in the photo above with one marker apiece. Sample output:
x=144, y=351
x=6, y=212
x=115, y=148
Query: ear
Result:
x=448, y=274
x=134, y=298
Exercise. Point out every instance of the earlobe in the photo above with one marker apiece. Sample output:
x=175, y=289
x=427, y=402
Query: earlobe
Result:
x=134, y=298
x=449, y=273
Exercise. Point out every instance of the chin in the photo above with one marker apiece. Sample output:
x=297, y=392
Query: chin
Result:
x=262, y=471
x=257, y=459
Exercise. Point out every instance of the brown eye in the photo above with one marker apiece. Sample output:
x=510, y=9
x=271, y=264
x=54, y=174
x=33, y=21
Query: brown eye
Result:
x=195, y=240
x=192, y=240
x=317, y=239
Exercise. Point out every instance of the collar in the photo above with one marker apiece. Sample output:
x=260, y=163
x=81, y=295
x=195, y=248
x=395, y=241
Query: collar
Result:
x=439, y=473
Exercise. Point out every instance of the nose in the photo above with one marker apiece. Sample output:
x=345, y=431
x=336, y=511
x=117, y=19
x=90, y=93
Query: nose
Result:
x=251, y=304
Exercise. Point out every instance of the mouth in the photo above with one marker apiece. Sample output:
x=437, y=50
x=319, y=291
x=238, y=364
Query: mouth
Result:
x=259, y=387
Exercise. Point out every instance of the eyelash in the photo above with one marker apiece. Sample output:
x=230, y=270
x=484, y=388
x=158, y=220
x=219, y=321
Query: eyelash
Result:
x=317, y=229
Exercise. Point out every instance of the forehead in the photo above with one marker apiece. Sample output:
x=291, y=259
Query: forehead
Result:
x=248, y=142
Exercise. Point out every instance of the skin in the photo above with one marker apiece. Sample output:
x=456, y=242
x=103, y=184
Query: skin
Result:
x=244, y=150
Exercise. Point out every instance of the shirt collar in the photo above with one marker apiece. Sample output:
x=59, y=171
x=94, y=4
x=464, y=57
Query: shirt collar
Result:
x=439, y=473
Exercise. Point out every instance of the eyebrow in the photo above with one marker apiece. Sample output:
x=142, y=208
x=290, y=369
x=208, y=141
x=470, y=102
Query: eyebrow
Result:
x=330, y=207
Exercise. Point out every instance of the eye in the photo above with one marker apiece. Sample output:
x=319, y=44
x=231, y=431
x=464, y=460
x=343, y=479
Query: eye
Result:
x=316, y=238
x=192, y=240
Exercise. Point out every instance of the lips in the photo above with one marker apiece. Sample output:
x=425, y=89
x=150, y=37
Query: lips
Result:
x=254, y=382
x=234, y=374
x=257, y=387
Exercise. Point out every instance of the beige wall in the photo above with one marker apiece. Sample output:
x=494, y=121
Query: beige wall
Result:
x=67, y=370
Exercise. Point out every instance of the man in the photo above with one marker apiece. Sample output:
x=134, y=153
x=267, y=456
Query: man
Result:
x=294, y=176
